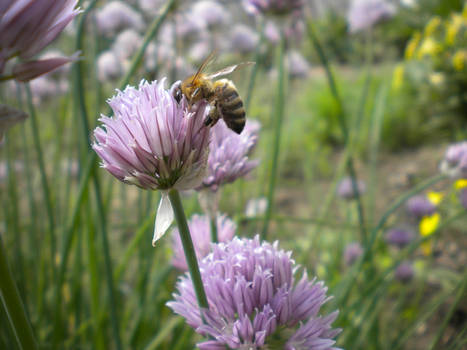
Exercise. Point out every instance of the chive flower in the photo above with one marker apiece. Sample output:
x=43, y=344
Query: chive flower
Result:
x=399, y=237
x=26, y=28
x=352, y=252
x=273, y=7
x=365, y=14
x=420, y=206
x=345, y=188
x=155, y=143
x=256, y=301
x=404, y=272
x=454, y=163
x=229, y=154
x=200, y=231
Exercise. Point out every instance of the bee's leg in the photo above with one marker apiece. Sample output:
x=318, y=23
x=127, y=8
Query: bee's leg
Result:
x=213, y=115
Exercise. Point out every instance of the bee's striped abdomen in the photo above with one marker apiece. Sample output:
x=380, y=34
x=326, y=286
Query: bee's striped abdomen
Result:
x=230, y=105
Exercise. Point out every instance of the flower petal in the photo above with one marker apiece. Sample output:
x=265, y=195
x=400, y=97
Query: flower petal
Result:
x=164, y=218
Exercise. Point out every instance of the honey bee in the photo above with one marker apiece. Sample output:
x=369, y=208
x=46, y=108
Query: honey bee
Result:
x=221, y=94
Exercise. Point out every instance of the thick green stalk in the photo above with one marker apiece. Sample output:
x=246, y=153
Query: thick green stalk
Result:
x=45, y=184
x=343, y=124
x=13, y=305
x=189, y=250
x=279, y=114
x=213, y=227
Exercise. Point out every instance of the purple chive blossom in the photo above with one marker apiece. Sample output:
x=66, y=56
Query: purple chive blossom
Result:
x=154, y=143
x=404, y=272
x=420, y=206
x=256, y=301
x=115, y=16
x=200, y=231
x=109, y=67
x=228, y=158
x=210, y=12
x=243, y=39
x=298, y=66
x=364, y=14
x=352, y=252
x=345, y=189
x=463, y=197
x=399, y=237
x=455, y=160
x=273, y=7
x=26, y=28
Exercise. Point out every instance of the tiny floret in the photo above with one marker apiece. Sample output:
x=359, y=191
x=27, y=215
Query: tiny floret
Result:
x=256, y=300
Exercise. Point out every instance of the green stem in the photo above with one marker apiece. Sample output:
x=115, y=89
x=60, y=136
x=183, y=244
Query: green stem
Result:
x=189, y=250
x=44, y=181
x=213, y=227
x=279, y=114
x=343, y=124
x=13, y=305
x=460, y=295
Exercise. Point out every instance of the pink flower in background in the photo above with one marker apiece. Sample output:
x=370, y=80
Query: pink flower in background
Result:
x=346, y=190
x=155, y=143
x=210, y=12
x=243, y=39
x=454, y=163
x=200, y=231
x=229, y=154
x=352, y=252
x=364, y=14
x=109, y=67
x=298, y=66
x=115, y=16
x=404, y=272
x=273, y=7
x=26, y=28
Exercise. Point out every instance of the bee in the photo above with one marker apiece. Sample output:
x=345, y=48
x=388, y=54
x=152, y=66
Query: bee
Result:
x=222, y=95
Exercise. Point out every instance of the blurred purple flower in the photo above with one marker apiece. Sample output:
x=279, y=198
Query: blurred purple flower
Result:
x=117, y=15
x=255, y=301
x=352, y=252
x=399, y=237
x=463, y=197
x=345, y=189
x=243, y=39
x=126, y=44
x=420, y=206
x=364, y=14
x=271, y=32
x=455, y=160
x=272, y=7
x=256, y=207
x=26, y=28
x=229, y=151
x=108, y=66
x=298, y=66
x=210, y=12
x=200, y=231
x=154, y=143
x=404, y=272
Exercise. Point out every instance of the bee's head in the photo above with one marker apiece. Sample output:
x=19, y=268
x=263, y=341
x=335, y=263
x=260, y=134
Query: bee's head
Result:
x=191, y=88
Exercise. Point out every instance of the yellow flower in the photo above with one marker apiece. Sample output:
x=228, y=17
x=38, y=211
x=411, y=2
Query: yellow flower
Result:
x=431, y=27
x=398, y=77
x=453, y=28
x=437, y=78
x=428, y=47
x=429, y=224
x=435, y=197
x=460, y=184
x=412, y=46
x=458, y=60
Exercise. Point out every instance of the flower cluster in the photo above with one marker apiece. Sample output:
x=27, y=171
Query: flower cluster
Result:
x=345, y=188
x=154, y=142
x=200, y=231
x=255, y=301
x=455, y=160
x=228, y=157
x=352, y=253
x=26, y=28
x=364, y=14
x=273, y=7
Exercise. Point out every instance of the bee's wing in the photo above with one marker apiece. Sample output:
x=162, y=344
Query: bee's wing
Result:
x=206, y=62
x=228, y=70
